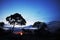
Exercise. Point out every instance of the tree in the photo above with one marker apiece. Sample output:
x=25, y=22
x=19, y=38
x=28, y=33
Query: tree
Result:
x=42, y=28
x=1, y=24
x=16, y=19
x=39, y=25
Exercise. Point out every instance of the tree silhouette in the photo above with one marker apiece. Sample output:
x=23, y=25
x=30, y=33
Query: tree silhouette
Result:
x=1, y=28
x=42, y=28
x=16, y=19
x=39, y=25
x=1, y=24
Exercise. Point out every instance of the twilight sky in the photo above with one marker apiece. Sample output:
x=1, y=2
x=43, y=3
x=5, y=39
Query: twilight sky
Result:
x=31, y=10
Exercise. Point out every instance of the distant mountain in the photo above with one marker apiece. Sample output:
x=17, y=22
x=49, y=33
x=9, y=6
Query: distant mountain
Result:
x=28, y=26
x=8, y=27
x=54, y=25
x=20, y=28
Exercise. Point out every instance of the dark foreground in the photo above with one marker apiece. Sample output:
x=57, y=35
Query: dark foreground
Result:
x=8, y=35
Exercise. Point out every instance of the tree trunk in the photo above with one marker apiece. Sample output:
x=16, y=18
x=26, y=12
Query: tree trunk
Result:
x=13, y=28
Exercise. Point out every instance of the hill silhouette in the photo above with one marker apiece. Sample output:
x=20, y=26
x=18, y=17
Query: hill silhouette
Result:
x=53, y=25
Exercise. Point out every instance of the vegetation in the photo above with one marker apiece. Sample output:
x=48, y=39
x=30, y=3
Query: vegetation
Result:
x=1, y=24
x=42, y=33
x=40, y=25
x=16, y=19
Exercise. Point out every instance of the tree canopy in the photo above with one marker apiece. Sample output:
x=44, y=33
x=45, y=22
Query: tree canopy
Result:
x=39, y=24
x=16, y=19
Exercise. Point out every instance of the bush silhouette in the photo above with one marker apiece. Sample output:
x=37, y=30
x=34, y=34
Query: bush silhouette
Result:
x=8, y=35
x=42, y=28
x=40, y=25
x=1, y=24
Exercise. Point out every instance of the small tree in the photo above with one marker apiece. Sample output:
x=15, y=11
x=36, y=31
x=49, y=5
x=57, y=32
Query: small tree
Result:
x=39, y=25
x=42, y=28
x=1, y=24
x=16, y=19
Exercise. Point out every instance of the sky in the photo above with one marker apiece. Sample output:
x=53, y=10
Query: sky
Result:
x=31, y=10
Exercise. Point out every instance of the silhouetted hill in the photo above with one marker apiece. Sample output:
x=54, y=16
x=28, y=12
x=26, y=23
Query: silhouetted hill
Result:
x=54, y=25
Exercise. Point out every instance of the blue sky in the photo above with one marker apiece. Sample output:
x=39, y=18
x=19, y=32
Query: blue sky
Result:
x=31, y=10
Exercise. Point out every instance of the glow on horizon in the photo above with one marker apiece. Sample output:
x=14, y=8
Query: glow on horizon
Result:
x=27, y=24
